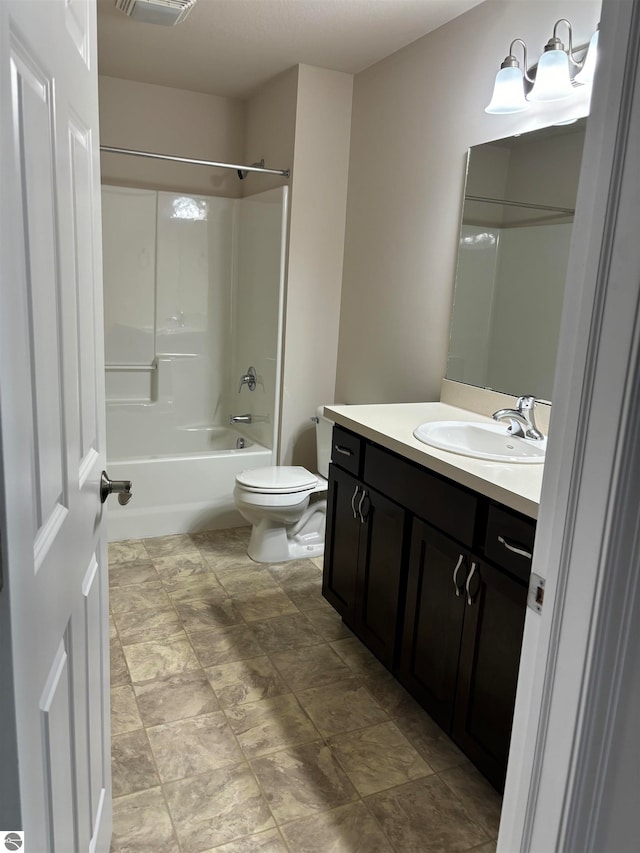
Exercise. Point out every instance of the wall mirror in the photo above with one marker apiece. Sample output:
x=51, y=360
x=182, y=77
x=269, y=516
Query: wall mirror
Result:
x=516, y=227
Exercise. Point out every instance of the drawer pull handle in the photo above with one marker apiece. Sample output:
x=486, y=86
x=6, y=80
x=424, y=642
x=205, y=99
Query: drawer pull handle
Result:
x=362, y=518
x=344, y=450
x=353, y=501
x=455, y=576
x=474, y=566
x=515, y=549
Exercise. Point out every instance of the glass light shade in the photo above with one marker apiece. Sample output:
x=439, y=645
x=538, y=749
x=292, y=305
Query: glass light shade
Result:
x=508, y=92
x=553, y=82
x=587, y=72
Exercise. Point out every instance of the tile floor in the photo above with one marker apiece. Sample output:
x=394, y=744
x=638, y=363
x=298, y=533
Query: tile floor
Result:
x=247, y=718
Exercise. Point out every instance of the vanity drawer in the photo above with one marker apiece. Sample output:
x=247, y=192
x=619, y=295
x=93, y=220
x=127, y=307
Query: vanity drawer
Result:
x=509, y=541
x=346, y=450
x=442, y=503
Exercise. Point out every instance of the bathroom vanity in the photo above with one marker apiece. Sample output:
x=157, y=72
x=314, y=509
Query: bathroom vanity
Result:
x=427, y=560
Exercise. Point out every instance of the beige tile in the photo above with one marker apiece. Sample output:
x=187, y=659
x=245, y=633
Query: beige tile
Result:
x=285, y=632
x=176, y=697
x=437, y=749
x=150, y=623
x=245, y=681
x=141, y=824
x=423, y=817
x=246, y=579
x=119, y=670
x=270, y=724
x=308, y=596
x=264, y=604
x=347, y=829
x=179, y=567
x=138, y=596
x=480, y=799
x=113, y=631
x=127, y=551
x=168, y=546
x=224, y=645
x=265, y=842
x=220, y=543
x=192, y=587
x=377, y=758
x=341, y=706
x=302, y=780
x=389, y=693
x=489, y=847
x=204, y=614
x=151, y=661
x=124, y=574
x=294, y=572
x=311, y=666
x=189, y=747
x=357, y=656
x=328, y=624
x=217, y=808
x=132, y=764
x=124, y=710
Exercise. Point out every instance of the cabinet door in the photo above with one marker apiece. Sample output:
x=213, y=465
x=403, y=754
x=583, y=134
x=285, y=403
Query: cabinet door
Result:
x=380, y=574
x=433, y=621
x=341, y=543
x=489, y=661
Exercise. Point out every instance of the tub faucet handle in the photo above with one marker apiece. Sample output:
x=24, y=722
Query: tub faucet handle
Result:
x=249, y=378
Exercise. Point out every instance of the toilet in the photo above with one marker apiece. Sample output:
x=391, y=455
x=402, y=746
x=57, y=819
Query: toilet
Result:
x=286, y=504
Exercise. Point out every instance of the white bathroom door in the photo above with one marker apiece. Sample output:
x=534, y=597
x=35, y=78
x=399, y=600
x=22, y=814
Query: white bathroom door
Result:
x=52, y=425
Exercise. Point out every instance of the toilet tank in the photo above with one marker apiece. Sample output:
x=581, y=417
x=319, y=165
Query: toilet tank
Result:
x=324, y=429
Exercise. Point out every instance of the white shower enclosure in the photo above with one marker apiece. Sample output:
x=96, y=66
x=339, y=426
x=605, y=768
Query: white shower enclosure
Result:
x=193, y=297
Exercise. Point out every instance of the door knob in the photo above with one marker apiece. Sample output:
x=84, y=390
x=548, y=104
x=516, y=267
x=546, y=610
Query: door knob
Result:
x=121, y=488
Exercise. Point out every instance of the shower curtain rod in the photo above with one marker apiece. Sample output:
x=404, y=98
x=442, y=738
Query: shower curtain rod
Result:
x=109, y=149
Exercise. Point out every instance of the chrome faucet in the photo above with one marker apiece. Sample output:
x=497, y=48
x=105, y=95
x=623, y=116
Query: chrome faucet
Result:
x=240, y=419
x=523, y=423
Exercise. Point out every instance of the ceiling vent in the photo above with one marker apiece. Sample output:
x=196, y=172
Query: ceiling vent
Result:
x=167, y=13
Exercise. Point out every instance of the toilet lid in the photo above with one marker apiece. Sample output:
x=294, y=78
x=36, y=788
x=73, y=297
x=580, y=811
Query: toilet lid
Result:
x=280, y=478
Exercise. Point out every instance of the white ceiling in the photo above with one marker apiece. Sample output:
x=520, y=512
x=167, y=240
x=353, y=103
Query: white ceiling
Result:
x=232, y=47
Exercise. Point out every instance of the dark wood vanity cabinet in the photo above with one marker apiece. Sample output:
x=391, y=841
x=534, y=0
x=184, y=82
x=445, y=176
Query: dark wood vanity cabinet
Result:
x=362, y=580
x=433, y=578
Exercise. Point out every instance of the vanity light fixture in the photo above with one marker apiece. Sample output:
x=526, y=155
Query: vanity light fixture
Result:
x=508, y=91
x=554, y=78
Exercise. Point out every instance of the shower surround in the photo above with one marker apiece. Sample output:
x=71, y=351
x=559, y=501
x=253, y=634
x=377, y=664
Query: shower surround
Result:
x=193, y=290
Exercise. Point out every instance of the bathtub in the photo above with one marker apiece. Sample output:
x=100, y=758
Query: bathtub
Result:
x=184, y=491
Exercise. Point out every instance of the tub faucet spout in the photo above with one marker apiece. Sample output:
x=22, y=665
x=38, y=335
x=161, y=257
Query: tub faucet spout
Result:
x=240, y=419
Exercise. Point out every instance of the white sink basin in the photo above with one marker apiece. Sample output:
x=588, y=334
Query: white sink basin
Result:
x=481, y=440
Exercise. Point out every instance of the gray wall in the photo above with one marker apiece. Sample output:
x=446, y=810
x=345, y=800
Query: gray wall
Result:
x=415, y=114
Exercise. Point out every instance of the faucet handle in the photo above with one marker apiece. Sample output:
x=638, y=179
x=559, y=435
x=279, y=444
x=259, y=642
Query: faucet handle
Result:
x=526, y=403
x=250, y=378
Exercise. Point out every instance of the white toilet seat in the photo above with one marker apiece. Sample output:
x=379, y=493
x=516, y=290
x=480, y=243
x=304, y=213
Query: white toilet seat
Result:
x=277, y=480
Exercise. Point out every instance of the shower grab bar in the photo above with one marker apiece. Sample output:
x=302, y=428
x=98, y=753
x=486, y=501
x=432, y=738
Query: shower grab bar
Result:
x=110, y=150
x=123, y=368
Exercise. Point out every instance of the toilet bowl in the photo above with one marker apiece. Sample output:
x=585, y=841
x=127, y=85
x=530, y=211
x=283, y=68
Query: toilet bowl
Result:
x=286, y=505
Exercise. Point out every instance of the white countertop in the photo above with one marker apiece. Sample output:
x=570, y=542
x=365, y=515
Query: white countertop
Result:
x=391, y=425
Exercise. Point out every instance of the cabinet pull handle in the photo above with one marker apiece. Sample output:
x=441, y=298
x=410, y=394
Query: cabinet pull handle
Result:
x=455, y=576
x=344, y=450
x=515, y=549
x=353, y=501
x=362, y=518
x=474, y=566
